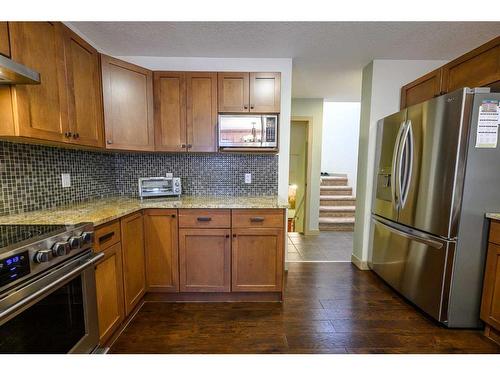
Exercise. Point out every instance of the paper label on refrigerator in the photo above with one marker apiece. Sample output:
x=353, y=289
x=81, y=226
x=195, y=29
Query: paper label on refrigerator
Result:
x=487, y=124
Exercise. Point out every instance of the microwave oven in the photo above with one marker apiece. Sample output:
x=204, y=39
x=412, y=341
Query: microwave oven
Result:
x=248, y=132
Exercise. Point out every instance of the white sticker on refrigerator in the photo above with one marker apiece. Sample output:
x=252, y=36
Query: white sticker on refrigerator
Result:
x=487, y=124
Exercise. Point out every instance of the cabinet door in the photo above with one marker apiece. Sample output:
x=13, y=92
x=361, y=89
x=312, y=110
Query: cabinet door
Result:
x=479, y=67
x=265, y=92
x=233, y=92
x=109, y=291
x=490, y=308
x=170, y=111
x=422, y=89
x=162, y=248
x=205, y=260
x=201, y=112
x=257, y=260
x=84, y=91
x=42, y=110
x=4, y=39
x=134, y=278
x=128, y=105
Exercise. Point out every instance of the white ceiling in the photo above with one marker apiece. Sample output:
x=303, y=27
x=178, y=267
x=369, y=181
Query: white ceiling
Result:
x=327, y=56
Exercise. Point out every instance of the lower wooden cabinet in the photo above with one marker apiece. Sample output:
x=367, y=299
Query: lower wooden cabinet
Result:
x=109, y=290
x=134, y=276
x=161, y=241
x=205, y=260
x=257, y=260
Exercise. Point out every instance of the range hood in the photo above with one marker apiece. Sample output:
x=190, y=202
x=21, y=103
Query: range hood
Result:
x=13, y=73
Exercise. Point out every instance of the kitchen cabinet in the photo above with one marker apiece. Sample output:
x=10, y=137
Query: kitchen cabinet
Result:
x=84, y=91
x=128, y=105
x=109, y=291
x=257, y=259
x=422, y=89
x=4, y=39
x=161, y=247
x=134, y=277
x=249, y=92
x=185, y=111
x=477, y=68
x=205, y=260
x=490, y=307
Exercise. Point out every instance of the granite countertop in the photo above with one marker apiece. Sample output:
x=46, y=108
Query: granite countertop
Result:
x=102, y=210
x=493, y=215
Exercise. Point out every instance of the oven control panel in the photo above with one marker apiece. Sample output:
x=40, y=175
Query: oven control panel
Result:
x=14, y=267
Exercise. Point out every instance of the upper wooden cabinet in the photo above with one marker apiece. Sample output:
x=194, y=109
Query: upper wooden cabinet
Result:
x=84, y=90
x=249, y=92
x=128, y=105
x=479, y=67
x=4, y=39
x=185, y=111
x=422, y=89
x=161, y=246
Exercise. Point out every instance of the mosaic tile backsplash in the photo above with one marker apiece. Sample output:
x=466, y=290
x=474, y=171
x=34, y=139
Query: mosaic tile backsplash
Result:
x=30, y=175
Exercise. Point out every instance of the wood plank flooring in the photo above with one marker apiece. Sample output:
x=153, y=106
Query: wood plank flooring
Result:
x=328, y=308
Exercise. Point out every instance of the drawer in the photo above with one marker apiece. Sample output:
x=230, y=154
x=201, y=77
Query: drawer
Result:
x=196, y=218
x=495, y=232
x=271, y=218
x=107, y=235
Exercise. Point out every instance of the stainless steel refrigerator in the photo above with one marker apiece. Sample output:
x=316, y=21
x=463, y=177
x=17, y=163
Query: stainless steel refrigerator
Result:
x=434, y=182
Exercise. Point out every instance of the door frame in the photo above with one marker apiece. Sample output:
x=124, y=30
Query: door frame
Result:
x=308, y=121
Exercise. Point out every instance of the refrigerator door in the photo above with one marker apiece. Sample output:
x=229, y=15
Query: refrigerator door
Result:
x=415, y=264
x=432, y=164
x=385, y=198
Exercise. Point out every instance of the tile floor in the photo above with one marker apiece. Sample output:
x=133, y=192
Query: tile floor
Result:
x=327, y=246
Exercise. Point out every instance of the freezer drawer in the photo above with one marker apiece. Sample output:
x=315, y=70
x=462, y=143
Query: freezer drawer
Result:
x=415, y=264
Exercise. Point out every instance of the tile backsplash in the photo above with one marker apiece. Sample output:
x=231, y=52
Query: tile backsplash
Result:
x=30, y=175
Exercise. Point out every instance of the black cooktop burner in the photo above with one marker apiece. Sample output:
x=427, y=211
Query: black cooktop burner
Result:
x=13, y=234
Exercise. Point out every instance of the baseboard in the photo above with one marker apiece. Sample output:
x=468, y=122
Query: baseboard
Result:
x=311, y=232
x=214, y=297
x=361, y=264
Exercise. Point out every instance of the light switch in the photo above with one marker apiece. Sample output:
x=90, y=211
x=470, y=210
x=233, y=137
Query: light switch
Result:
x=66, y=180
x=248, y=178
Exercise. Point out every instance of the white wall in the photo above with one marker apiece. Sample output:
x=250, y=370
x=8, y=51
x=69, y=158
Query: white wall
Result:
x=312, y=108
x=380, y=96
x=340, y=139
x=284, y=66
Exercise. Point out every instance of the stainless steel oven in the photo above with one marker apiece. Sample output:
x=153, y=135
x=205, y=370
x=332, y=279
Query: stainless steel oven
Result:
x=248, y=132
x=48, y=294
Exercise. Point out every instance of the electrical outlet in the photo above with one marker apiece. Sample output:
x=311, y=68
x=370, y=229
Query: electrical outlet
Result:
x=248, y=178
x=66, y=180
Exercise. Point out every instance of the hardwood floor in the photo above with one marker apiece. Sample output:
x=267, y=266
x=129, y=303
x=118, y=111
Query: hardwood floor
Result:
x=328, y=308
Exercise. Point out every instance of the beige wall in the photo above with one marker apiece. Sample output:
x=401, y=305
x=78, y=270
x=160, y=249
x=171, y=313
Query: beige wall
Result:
x=312, y=108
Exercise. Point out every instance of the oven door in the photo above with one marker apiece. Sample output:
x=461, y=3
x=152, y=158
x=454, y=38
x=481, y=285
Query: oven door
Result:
x=54, y=313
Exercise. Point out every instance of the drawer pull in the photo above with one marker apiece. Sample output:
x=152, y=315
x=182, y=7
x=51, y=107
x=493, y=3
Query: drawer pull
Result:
x=106, y=237
x=257, y=219
x=172, y=216
x=204, y=219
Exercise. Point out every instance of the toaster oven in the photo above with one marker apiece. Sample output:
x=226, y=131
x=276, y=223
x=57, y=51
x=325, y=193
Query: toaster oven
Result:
x=159, y=186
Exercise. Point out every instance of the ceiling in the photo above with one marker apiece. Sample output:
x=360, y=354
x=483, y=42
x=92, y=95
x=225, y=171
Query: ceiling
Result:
x=327, y=56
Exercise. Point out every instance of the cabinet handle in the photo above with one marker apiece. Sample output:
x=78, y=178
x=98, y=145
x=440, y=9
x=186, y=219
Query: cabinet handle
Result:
x=189, y=145
x=76, y=135
x=257, y=219
x=183, y=145
x=172, y=216
x=227, y=235
x=204, y=219
x=106, y=237
x=109, y=141
x=252, y=107
x=67, y=134
x=246, y=107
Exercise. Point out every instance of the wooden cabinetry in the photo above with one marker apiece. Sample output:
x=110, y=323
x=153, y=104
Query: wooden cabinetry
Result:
x=422, y=89
x=134, y=278
x=4, y=39
x=490, y=307
x=479, y=67
x=84, y=91
x=109, y=291
x=161, y=247
x=249, y=92
x=128, y=105
x=205, y=260
x=185, y=111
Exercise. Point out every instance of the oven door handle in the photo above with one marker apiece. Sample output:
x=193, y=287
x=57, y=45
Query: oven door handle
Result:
x=47, y=288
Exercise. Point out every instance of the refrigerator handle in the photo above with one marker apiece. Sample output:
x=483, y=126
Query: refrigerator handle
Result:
x=395, y=167
x=426, y=241
x=407, y=148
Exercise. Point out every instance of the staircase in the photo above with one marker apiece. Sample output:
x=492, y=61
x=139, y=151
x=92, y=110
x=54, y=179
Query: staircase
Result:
x=337, y=204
